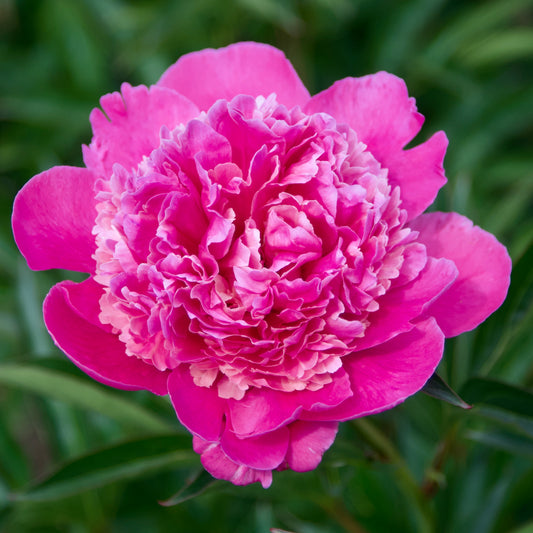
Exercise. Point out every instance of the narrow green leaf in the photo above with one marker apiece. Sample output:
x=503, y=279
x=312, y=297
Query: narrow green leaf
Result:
x=498, y=394
x=473, y=22
x=275, y=12
x=438, y=388
x=77, y=392
x=506, y=46
x=503, y=440
x=519, y=423
x=196, y=486
x=120, y=462
x=525, y=528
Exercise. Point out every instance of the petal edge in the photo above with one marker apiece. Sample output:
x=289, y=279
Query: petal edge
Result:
x=53, y=217
x=484, y=270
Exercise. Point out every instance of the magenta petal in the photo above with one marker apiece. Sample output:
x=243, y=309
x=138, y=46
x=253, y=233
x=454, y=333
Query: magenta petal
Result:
x=243, y=68
x=96, y=351
x=265, y=410
x=130, y=127
x=419, y=172
x=199, y=409
x=402, y=305
x=387, y=374
x=309, y=441
x=220, y=466
x=53, y=217
x=264, y=452
x=262, y=411
x=379, y=109
x=484, y=270
x=376, y=106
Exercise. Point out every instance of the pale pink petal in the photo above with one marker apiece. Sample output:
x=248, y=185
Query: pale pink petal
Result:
x=387, y=374
x=129, y=126
x=199, y=409
x=264, y=452
x=97, y=352
x=309, y=441
x=220, y=466
x=243, y=68
x=264, y=410
x=53, y=217
x=379, y=109
x=484, y=270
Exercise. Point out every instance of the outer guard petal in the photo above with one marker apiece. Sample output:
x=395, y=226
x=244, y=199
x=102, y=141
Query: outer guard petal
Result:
x=53, y=217
x=264, y=452
x=262, y=411
x=386, y=375
x=199, y=409
x=242, y=68
x=379, y=109
x=400, y=307
x=484, y=270
x=97, y=352
x=132, y=125
x=309, y=441
x=219, y=465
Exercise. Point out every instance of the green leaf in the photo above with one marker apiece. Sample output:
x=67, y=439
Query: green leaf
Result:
x=526, y=528
x=506, y=46
x=498, y=394
x=121, y=462
x=519, y=423
x=276, y=12
x=439, y=389
x=196, y=486
x=77, y=392
x=503, y=440
x=473, y=22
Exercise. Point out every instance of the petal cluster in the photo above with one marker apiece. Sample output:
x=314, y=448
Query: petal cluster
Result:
x=258, y=254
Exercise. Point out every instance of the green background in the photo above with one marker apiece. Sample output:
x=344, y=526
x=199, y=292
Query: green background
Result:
x=78, y=457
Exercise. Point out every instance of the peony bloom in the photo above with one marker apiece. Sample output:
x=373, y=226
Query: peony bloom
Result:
x=258, y=254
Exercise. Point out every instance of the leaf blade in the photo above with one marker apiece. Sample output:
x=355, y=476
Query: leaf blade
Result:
x=76, y=391
x=439, y=389
x=123, y=461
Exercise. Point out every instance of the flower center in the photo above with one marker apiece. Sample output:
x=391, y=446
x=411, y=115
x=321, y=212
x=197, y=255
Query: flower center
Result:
x=253, y=245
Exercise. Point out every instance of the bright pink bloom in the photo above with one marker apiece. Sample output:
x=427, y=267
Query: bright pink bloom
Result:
x=258, y=254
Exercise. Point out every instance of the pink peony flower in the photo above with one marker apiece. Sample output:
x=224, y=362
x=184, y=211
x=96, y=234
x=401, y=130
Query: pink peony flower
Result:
x=258, y=254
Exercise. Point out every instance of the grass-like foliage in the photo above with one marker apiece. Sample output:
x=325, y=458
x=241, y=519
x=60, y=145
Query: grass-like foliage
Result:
x=76, y=456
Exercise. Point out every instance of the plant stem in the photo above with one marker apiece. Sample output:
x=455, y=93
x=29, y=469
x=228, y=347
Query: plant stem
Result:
x=381, y=443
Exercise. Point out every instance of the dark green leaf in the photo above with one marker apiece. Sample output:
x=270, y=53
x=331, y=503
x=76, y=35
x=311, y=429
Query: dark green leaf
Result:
x=519, y=423
x=121, y=462
x=498, y=394
x=196, y=486
x=439, y=389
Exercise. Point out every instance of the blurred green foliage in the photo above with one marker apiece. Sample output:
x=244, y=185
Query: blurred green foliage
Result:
x=69, y=463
